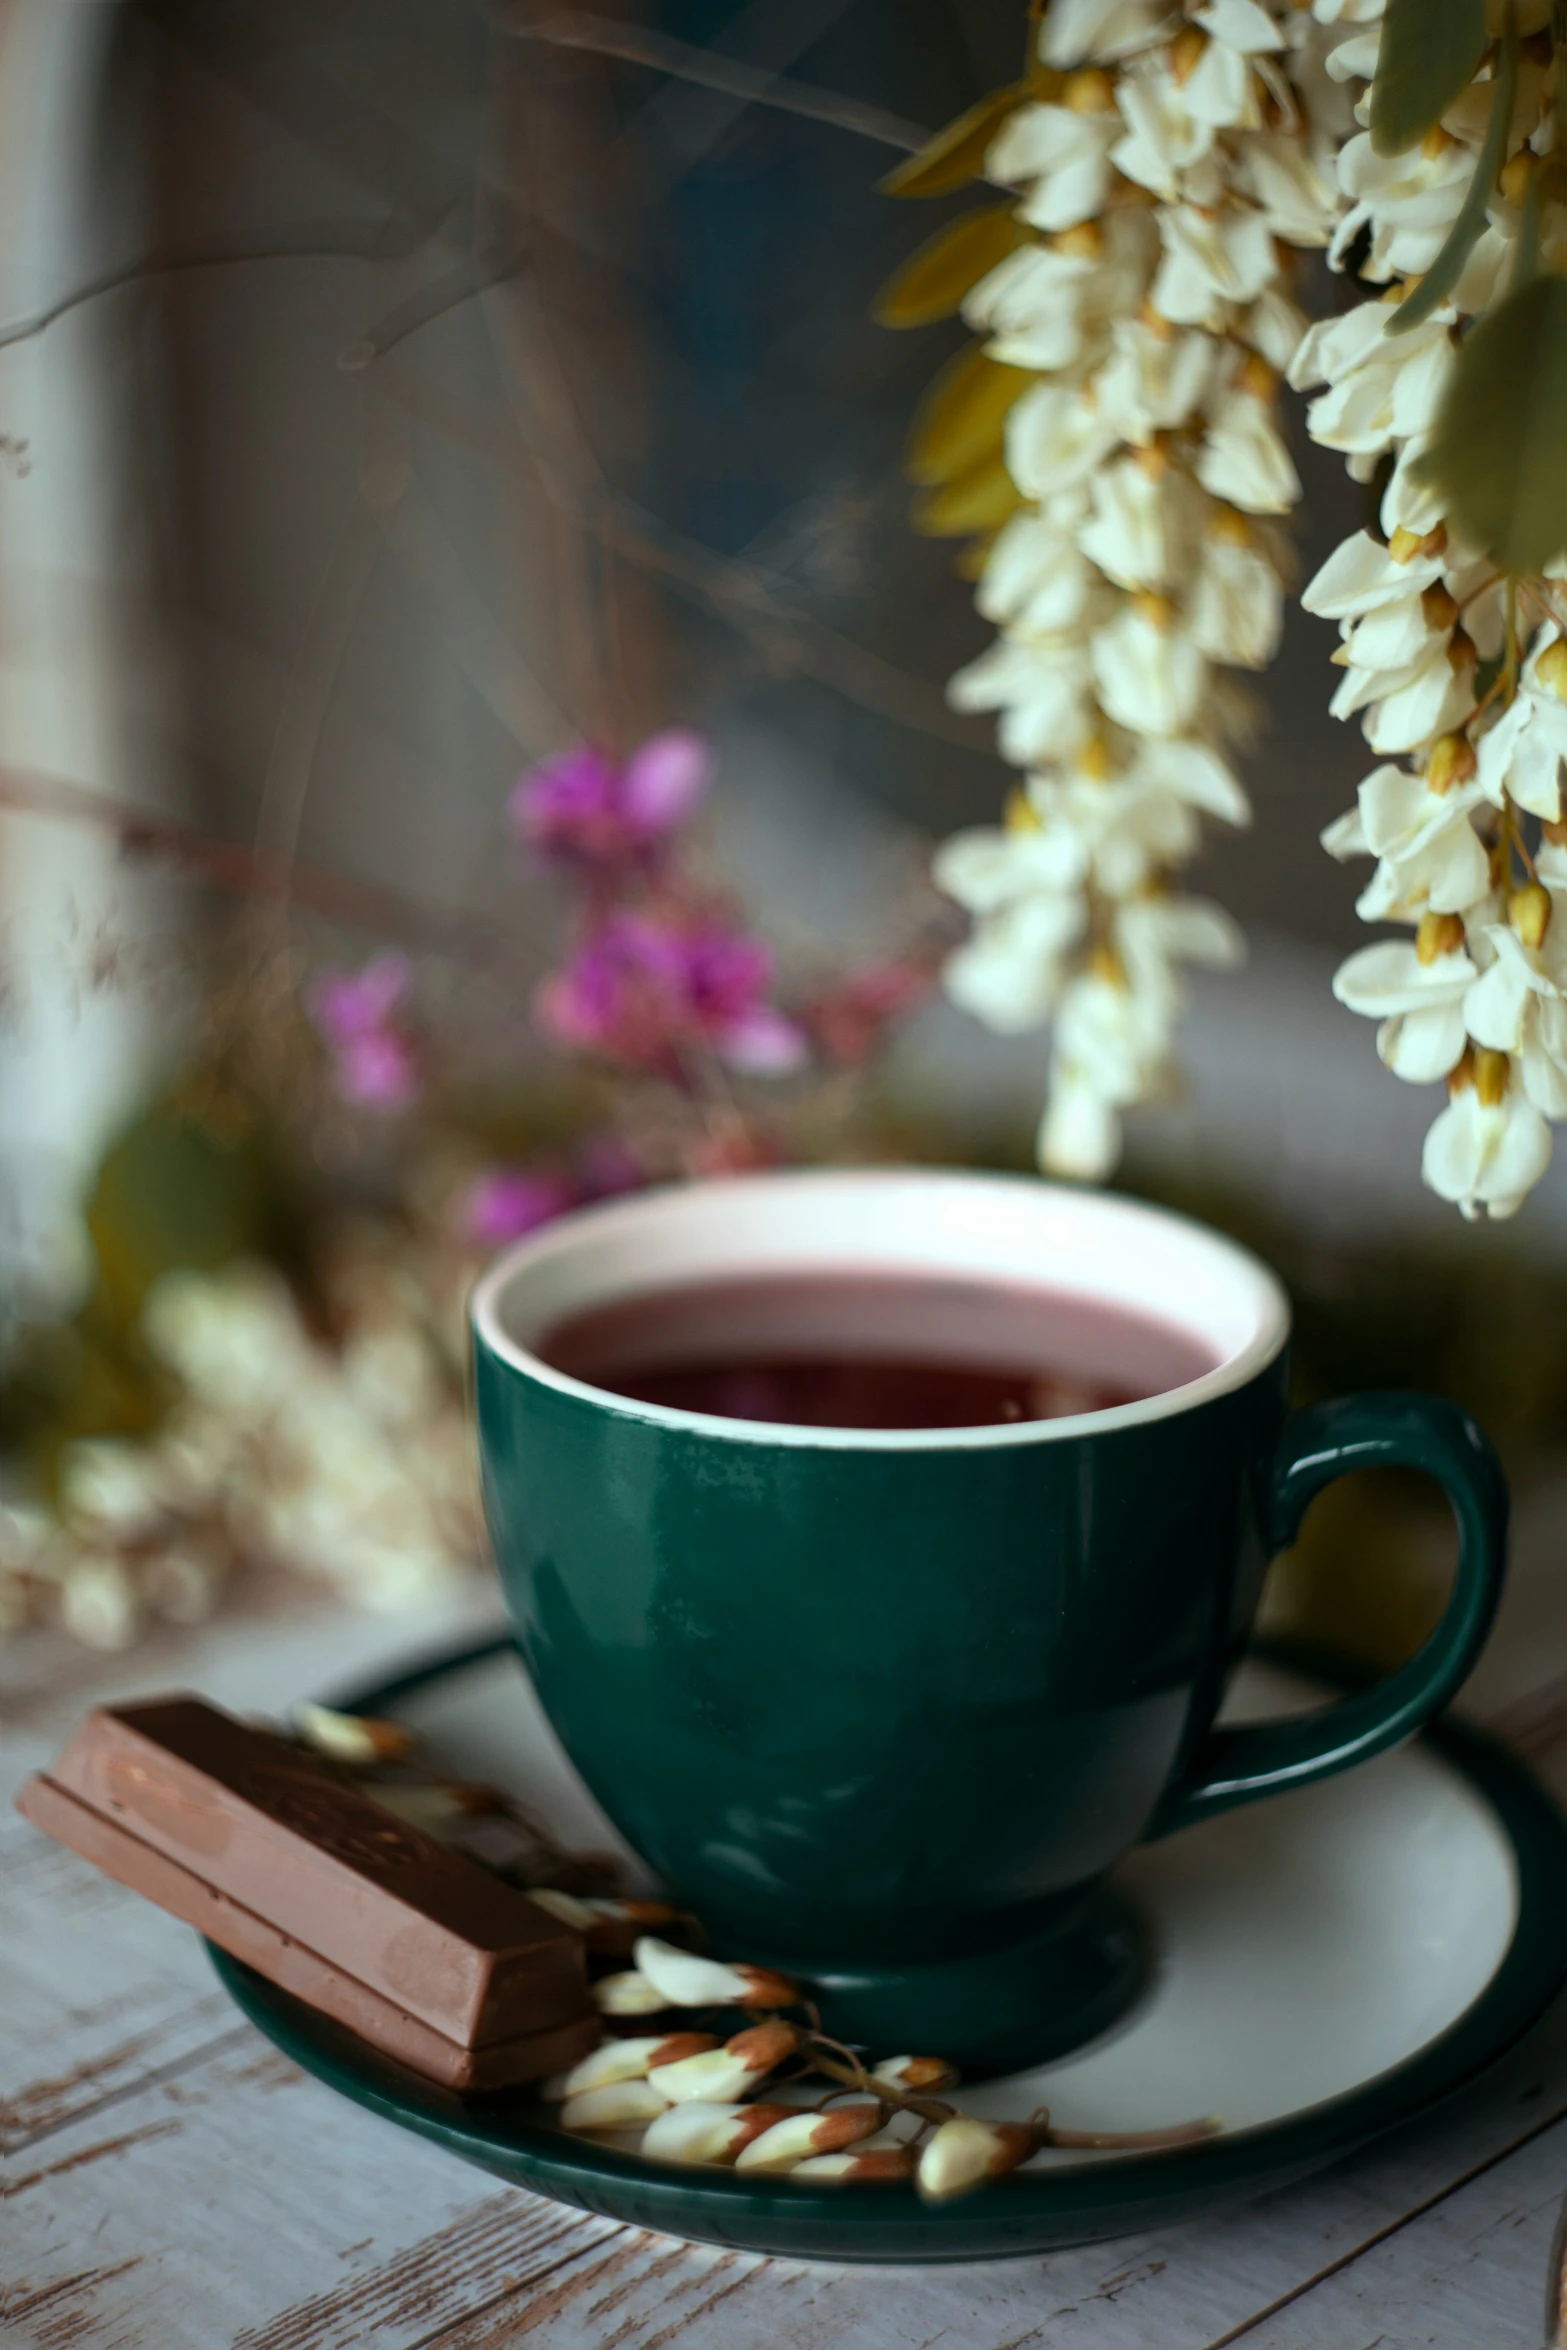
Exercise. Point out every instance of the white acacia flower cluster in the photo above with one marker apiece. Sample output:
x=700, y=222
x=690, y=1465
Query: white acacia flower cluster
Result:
x=1459, y=676
x=350, y=1466
x=1183, y=149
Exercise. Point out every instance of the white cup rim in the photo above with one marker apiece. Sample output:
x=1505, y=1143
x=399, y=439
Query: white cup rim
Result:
x=1100, y=1245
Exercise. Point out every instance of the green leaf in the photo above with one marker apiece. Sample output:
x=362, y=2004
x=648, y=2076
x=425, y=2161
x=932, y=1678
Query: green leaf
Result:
x=956, y=155
x=1429, y=52
x=1498, y=455
x=931, y=284
x=1462, y=238
x=962, y=416
x=980, y=499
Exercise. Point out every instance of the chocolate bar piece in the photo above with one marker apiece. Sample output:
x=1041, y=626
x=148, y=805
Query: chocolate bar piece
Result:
x=322, y=1890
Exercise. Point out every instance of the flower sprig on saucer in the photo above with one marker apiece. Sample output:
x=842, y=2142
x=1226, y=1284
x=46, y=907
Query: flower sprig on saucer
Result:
x=740, y=2101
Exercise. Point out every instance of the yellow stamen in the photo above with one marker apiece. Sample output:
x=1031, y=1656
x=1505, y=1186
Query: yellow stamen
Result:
x=1452, y=761
x=1462, y=1073
x=1019, y=813
x=1085, y=240
x=1439, y=606
x=1090, y=92
x=1438, y=935
x=1257, y=377
x=1094, y=760
x=1516, y=174
x=1158, y=610
x=1491, y=1072
x=1551, y=669
x=1186, y=53
x=1529, y=912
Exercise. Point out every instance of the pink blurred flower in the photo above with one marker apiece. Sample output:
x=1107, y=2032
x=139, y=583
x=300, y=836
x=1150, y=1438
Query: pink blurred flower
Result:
x=645, y=986
x=849, y=1021
x=507, y=1202
x=355, y=1012
x=584, y=808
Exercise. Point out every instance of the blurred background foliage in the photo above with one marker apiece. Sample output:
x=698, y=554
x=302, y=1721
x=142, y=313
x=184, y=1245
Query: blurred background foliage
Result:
x=475, y=376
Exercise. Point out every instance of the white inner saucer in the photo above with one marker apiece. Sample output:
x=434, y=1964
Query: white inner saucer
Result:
x=1304, y=1945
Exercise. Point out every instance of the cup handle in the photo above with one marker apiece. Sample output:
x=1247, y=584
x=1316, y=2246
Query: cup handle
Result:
x=1324, y=1442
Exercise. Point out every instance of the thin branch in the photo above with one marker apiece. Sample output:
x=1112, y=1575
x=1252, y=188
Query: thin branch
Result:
x=790, y=640
x=684, y=61
x=444, y=293
x=311, y=241
x=244, y=871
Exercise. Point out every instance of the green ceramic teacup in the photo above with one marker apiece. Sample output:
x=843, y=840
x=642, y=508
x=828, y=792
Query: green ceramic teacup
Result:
x=886, y=1707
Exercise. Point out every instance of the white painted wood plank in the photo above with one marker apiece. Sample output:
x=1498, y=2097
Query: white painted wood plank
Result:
x=1468, y=2274
x=200, y=2207
x=260, y=2210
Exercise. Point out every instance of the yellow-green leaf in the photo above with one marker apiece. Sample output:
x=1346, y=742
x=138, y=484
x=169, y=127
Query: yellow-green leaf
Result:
x=1498, y=455
x=1462, y=238
x=980, y=499
x=932, y=282
x=1428, y=54
x=956, y=155
x=962, y=416
x=970, y=561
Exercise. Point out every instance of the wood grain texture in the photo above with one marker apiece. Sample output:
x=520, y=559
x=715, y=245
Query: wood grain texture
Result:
x=175, y=2184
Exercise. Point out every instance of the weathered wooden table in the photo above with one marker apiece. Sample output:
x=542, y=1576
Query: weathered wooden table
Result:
x=174, y=2184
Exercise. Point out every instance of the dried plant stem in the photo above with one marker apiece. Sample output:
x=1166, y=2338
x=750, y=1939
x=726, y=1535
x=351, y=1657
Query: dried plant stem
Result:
x=786, y=640
x=685, y=61
x=245, y=871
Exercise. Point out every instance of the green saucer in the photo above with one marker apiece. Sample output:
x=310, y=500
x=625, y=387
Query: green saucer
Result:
x=1326, y=1965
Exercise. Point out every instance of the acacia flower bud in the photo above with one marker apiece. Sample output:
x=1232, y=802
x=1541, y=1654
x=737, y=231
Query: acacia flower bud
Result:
x=804, y=2134
x=689, y=1981
x=1462, y=651
x=1405, y=545
x=1551, y=668
x=1452, y=761
x=632, y=2060
x=919, y=2074
x=614, y=2106
x=1230, y=527
x=1084, y=241
x=1516, y=174
x=629, y=1994
x=1491, y=1074
x=1257, y=377
x=1186, y=53
x=1438, y=605
x=703, y=2131
x=1437, y=935
x=859, y=2164
x=1090, y=92
x=719, y=2074
x=965, y=2152
x=1529, y=912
